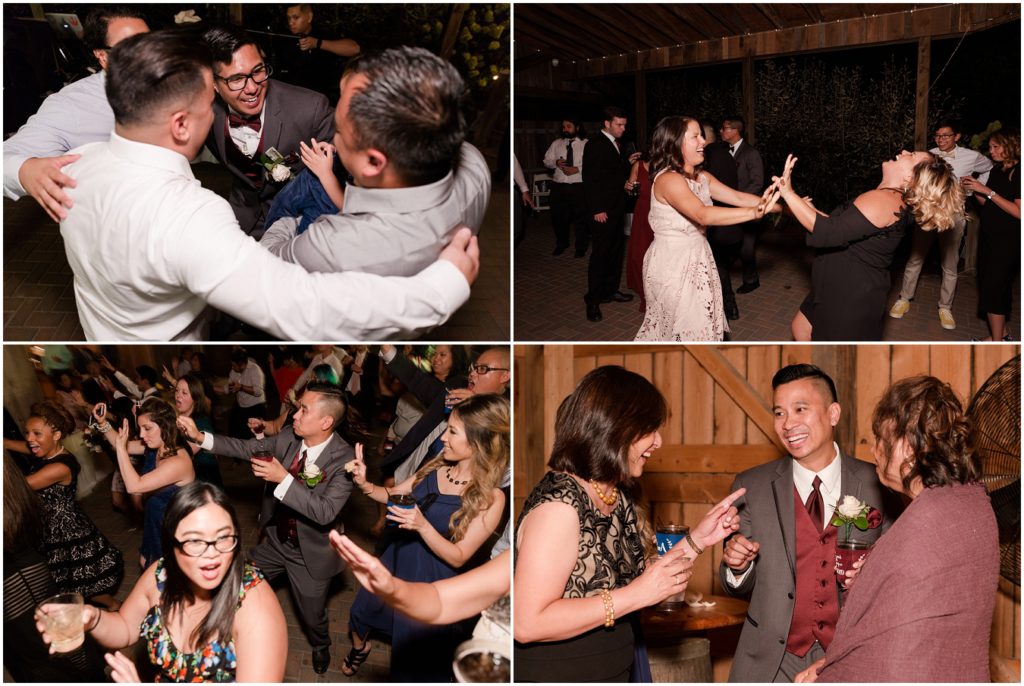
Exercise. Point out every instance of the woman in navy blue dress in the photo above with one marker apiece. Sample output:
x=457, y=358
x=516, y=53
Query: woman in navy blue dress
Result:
x=458, y=507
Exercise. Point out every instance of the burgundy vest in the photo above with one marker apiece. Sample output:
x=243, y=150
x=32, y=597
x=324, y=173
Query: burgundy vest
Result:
x=816, y=607
x=249, y=166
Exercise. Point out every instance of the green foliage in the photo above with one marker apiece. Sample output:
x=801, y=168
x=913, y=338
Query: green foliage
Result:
x=979, y=141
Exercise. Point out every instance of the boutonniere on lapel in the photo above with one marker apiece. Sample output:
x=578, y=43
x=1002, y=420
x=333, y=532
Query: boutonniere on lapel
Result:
x=276, y=166
x=312, y=475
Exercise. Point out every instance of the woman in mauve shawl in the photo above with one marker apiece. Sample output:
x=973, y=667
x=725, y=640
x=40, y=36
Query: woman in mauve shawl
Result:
x=921, y=606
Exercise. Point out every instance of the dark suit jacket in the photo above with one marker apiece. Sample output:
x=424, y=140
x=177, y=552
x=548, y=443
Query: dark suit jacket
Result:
x=720, y=164
x=767, y=516
x=604, y=173
x=750, y=169
x=293, y=114
x=318, y=508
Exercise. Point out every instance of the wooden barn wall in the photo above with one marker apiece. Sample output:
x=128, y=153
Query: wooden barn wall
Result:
x=720, y=423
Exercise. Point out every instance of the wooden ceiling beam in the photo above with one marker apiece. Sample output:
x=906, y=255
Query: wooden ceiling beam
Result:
x=557, y=37
x=812, y=12
x=771, y=15
x=683, y=14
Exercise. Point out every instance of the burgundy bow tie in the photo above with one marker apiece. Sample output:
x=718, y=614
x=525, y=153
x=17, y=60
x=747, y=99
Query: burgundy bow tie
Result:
x=236, y=120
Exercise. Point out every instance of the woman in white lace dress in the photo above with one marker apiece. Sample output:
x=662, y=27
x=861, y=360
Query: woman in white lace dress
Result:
x=684, y=294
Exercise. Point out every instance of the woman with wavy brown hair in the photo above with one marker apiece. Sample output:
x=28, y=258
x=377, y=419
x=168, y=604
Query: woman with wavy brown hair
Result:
x=920, y=607
x=856, y=243
x=585, y=559
x=458, y=506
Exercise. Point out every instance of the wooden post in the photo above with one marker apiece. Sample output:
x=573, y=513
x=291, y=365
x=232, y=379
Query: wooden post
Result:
x=641, y=110
x=452, y=31
x=840, y=362
x=749, y=95
x=924, y=71
x=235, y=12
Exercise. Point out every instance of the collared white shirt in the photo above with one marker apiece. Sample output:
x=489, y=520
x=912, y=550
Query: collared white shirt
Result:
x=245, y=138
x=311, y=457
x=75, y=115
x=388, y=231
x=518, y=176
x=803, y=478
x=252, y=376
x=965, y=162
x=559, y=149
x=151, y=249
x=134, y=392
x=735, y=147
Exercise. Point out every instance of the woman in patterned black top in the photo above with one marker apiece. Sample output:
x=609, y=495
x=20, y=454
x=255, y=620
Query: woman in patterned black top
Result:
x=203, y=611
x=585, y=555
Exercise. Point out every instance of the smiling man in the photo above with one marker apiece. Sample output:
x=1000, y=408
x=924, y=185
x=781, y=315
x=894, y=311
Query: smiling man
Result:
x=254, y=113
x=784, y=552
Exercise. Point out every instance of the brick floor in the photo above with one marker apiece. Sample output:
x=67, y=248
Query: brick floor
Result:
x=245, y=491
x=39, y=300
x=549, y=295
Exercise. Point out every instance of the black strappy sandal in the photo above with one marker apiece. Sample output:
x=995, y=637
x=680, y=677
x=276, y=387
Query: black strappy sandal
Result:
x=355, y=658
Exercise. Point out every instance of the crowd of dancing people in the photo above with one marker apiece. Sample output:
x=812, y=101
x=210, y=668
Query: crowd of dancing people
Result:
x=700, y=196
x=421, y=432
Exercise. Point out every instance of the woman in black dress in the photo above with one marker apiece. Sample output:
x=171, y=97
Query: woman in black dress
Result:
x=585, y=559
x=999, y=237
x=856, y=243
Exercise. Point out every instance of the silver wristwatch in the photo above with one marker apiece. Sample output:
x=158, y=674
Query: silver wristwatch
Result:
x=991, y=195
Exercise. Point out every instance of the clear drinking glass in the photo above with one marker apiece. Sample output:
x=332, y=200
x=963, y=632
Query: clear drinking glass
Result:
x=480, y=660
x=62, y=616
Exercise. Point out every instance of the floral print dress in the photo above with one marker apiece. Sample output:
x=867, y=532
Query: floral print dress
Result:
x=213, y=662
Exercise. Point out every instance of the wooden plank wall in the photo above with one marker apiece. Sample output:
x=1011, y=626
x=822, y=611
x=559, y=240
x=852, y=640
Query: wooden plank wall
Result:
x=709, y=438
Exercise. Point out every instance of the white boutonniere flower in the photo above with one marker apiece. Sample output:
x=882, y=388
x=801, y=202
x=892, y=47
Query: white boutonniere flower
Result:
x=311, y=475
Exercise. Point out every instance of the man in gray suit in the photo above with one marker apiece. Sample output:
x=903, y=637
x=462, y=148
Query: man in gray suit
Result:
x=253, y=114
x=299, y=509
x=783, y=555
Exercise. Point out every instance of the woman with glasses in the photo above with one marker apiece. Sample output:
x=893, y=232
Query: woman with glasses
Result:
x=167, y=466
x=203, y=610
x=856, y=243
x=999, y=236
x=457, y=507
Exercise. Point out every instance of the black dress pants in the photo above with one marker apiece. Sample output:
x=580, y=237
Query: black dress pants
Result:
x=566, y=210
x=604, y=271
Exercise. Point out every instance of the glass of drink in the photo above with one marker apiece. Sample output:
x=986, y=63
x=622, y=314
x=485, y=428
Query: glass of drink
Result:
x=406, y=501
x=261, y=451
x=480, y=660
x=499, y=615
x=62, y=617
x=848, y=552
x=667, y=535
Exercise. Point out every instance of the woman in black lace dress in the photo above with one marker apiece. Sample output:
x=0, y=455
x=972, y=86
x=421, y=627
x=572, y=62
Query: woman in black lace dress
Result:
x=79, y=556
x=586, y=559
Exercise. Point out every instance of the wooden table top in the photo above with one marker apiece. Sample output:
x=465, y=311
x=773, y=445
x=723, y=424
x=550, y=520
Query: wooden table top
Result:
x=675, y=619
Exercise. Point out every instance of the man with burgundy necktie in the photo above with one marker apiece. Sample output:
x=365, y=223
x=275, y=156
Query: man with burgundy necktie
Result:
x=783, y=555
x=254, y=113
x=306, y=488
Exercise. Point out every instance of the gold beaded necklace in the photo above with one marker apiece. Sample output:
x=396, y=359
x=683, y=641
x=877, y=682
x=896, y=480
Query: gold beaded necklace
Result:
x=608, y=498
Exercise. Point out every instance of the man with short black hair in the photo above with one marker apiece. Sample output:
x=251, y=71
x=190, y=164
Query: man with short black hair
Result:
x=312, y=61
x=77, y=114
x=246, y=381
x=750, y=170
x=400, y=134
x=605, y=171
x=306, y=488
x=151, y=249
x=253, y=114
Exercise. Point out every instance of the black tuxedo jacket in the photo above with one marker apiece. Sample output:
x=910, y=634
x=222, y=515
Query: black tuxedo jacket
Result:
x=293, y=114
x=604, y=177
x=318, y=509
x=720, y=164
x=749, y=169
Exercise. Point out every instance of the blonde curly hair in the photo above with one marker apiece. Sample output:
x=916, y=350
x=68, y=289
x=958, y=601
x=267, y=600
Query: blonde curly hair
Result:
x=935, y=197
x=486, y=421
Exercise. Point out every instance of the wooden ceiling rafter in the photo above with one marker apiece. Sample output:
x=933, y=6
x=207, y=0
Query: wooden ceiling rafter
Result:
x=771, y=15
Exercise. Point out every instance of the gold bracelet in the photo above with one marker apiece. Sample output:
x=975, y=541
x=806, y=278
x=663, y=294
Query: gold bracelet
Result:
x=693, y=544
x=609, y=608
x=373, y=487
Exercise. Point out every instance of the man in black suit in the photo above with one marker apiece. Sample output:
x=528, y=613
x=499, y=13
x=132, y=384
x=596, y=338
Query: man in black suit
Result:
x=253, y=114
x=725, y=240
x=750, y=170
x=306, y=488
x=605, y=171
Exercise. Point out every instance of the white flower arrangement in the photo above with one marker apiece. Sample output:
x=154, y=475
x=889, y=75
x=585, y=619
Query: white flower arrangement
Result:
x=312, y=475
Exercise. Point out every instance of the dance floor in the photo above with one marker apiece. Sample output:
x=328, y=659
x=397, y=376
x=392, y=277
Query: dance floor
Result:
x=549, y=295
x=39, y=299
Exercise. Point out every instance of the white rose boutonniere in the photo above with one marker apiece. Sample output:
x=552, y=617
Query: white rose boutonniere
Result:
x=311, y=475
x=276, y=165
x=851, y=512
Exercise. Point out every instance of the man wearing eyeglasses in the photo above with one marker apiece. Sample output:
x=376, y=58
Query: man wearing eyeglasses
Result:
x=965, y=162
x=252, y=114
x=298, y=509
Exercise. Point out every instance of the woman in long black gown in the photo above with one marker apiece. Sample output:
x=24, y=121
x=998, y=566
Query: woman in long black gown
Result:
x=856, y=243
x=999, y=236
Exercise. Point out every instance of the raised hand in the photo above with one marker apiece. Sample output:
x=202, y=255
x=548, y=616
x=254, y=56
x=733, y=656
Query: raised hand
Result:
x=739, y=551
x=318, y=157
x=369, y=572
x=188, y=427
x=121, y=442
x=784, y=182
x=720, y=521
x=768, y=200
x=359, y=467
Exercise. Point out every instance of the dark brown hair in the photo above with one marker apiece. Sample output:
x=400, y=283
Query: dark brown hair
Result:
x=200, y=401
x=595, y=426
x=667, y=145
x=54, y=416
x=23, y=514
x=925, y=411
x=165, y=417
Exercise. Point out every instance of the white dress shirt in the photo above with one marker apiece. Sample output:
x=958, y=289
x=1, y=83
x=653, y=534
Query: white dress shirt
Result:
x=518, y=176
x=245, y=138
x=151, y=248
x=965, y=162
x=253, y=377
x=311, y=457
x=559, y=150
x=134, y=392
x=803, y=479
x=73, y=116
x=389, y=231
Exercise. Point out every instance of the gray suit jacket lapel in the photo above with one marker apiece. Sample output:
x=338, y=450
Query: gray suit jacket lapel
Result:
x=851, y=483
x=782, y=489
